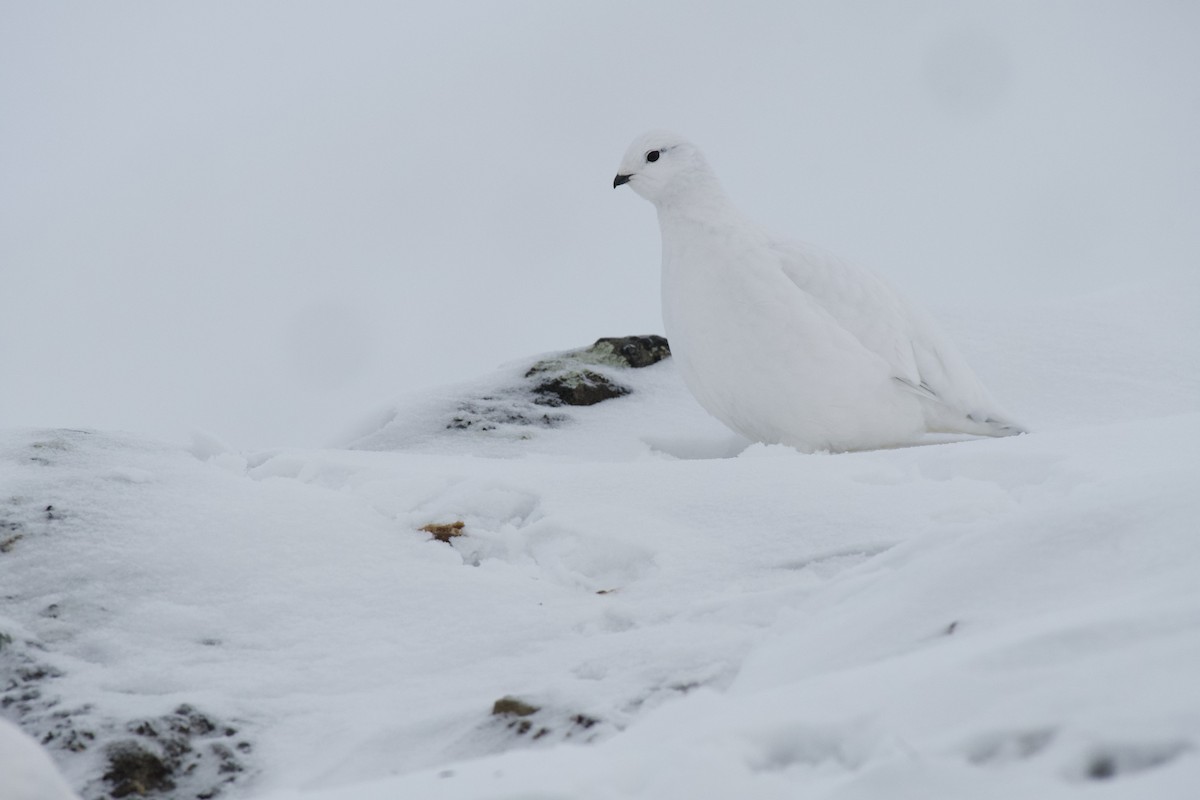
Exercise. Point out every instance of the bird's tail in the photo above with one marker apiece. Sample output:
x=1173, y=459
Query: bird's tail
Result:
x=943, y=417
x=992, y=425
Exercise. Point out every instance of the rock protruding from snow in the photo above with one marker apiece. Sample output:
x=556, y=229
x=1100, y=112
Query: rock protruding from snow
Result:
x=556, y=404
x=567, y=380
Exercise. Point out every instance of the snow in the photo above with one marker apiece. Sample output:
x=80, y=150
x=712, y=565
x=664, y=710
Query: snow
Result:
x=693, y=617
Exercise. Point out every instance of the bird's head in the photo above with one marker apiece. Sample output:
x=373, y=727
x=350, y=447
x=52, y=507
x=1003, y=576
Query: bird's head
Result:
x=660, y=165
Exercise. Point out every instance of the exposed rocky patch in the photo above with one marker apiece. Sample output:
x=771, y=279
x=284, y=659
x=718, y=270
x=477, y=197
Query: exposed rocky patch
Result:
x=523, y=718
x=132, y=770
x=574, y=378
x=578, y=388
x=23, y=677
x=635, y=351
x=549, y=393
x=181, y=755
x=619, y=353
x=502, y=410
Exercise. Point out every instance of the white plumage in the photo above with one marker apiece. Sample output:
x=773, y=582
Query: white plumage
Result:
x=785, y=343
x=26, y=771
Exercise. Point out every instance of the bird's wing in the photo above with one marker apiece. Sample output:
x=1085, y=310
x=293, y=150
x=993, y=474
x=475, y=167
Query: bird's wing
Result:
x=921, y=359
x=859, y=301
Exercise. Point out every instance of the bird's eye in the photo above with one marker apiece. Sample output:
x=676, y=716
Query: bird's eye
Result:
x=652, y=156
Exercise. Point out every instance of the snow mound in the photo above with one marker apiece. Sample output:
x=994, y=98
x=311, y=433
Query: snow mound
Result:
x=621, y=398
x=628, y=604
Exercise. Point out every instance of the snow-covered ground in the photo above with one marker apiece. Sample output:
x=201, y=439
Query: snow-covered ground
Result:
x=690, y=617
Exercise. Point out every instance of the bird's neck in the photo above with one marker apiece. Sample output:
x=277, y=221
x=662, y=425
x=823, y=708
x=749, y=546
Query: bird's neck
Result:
x=701, y=202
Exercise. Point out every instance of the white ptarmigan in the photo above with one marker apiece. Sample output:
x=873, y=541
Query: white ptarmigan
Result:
x=26, y=771
x=787, y=344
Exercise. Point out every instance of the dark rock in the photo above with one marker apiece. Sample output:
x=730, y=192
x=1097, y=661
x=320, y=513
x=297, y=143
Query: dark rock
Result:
x=621, y=353
x=132, y=770
x=580, y=388
x=567, y=380
x=636, y=351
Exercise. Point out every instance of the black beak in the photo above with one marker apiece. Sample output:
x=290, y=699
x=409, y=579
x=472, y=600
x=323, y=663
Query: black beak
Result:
x=617, y=181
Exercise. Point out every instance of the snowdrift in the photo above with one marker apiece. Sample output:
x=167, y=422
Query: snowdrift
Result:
x=636, y=604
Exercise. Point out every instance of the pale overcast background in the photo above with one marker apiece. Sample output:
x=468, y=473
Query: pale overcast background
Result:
x=262, y=220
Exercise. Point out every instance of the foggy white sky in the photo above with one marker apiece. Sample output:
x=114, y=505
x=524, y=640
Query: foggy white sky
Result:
x=261, y=220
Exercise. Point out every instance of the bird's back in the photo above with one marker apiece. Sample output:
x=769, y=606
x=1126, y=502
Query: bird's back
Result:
x=923, y=360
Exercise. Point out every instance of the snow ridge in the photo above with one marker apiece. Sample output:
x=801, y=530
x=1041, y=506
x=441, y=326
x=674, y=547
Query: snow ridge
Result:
x=633, y=605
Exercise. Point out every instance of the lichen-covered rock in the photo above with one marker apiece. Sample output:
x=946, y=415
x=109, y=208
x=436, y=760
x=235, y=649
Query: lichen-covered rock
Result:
x=578, y=388
x=620, y=352
x=635, y=351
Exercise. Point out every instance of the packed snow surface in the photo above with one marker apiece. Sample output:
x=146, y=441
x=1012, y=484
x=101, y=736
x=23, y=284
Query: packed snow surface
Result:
x=787, y=344
x=663, y=612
